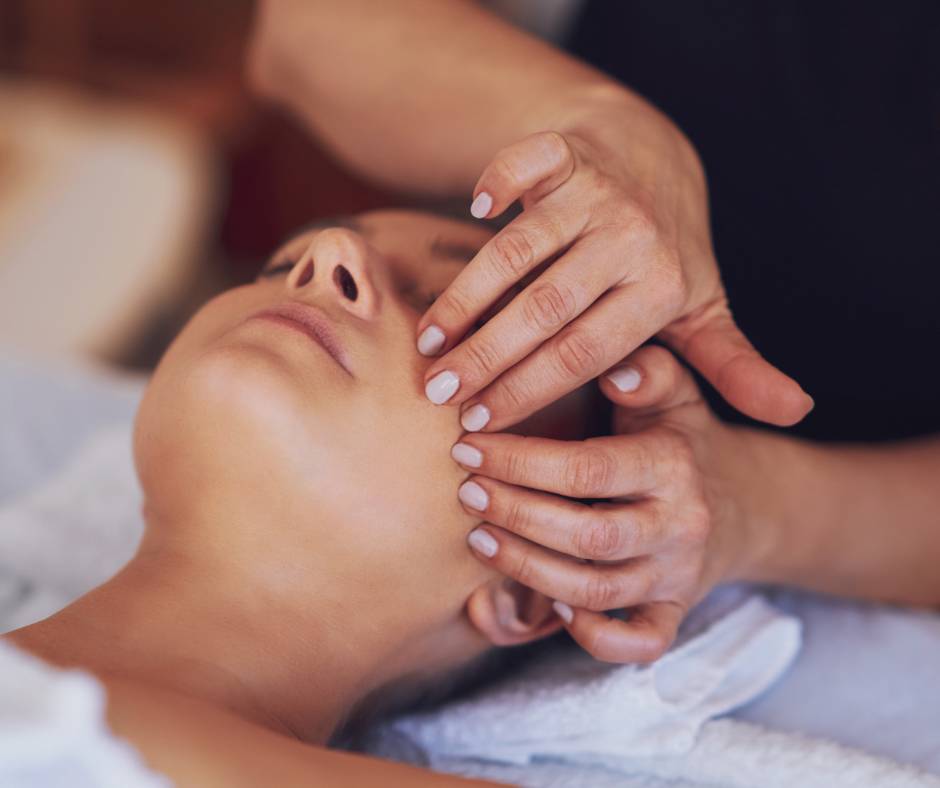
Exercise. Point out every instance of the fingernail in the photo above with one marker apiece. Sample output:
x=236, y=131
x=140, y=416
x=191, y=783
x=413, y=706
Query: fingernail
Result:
x=474, y=496
x=442, y=387
x=564, y=612
x=626, y=379
x=476, y=418
x=467, y=455
x=431, y=341
x=483, y=543
x=481, y=205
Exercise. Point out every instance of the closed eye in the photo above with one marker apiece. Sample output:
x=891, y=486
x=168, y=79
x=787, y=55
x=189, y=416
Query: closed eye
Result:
x=276, y=270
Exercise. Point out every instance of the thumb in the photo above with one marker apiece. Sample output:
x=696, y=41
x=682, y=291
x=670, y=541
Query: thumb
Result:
x=715, y=346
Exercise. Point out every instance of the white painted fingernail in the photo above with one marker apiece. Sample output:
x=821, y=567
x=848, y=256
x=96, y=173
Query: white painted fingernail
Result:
x=564, y=612
x=442, y=387
x=431, y=341
x=480, y=207
x=467, y=455
x=476, y=418
x=483, y=543
x=626, y=379
x=474, y=496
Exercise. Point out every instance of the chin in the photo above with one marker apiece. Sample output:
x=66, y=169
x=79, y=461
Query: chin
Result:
x=226, y=417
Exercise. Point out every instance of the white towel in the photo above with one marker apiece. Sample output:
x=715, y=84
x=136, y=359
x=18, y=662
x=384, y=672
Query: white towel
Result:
x=572, y=707
x=53, y=730
x=61, y=536
x=728, y=753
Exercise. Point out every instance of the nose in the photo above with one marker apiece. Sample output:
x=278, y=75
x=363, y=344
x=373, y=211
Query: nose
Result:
x=339, y=267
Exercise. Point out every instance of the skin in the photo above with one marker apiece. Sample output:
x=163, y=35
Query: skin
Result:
x=614, y=220
x=691, y=502
x=304, y=548
x=611, y=247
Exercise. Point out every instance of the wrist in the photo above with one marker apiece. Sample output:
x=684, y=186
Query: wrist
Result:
x=627, y=128
x=760, y=468
x=781, y=477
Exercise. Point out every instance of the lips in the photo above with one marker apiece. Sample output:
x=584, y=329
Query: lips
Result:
x=312, y=322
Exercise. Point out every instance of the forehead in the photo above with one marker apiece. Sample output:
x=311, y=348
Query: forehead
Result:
x=404, y=233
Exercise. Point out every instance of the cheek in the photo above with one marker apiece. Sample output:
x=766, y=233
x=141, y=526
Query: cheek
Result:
x=399, y=499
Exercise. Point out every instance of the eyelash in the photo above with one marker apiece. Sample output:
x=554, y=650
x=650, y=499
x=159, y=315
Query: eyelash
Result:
x=277, y=270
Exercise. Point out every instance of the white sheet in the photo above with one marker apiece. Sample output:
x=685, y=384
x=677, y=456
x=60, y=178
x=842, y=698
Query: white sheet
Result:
x=868, y=676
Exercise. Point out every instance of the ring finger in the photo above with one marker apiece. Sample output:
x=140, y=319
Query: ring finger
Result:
x=592, y=586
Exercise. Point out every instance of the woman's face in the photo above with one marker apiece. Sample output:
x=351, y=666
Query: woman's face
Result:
x=294, y=406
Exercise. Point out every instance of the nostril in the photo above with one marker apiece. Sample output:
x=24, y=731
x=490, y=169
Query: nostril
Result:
x=305, y=275
x=345, y=282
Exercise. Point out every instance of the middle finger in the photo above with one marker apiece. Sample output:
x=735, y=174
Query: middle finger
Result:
x=568, y=287
x=612, y=466
x=601, y=531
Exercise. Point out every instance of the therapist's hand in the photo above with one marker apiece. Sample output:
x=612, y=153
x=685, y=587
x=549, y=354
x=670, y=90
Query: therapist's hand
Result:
x=671, y=526
x=612, y=247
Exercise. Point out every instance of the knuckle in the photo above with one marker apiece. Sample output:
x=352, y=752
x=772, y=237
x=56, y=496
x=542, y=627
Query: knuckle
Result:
x=606, y=189
x=681, y=454
x=482, y=355
x=456, y=304
x=556, y=146
x=503, y=170
x=697, y=524
x=671, y=288
x=515, y=464
x=599, y=538
x=512, y=254
x=599, y=592
x=579, y=355
x=519, y=518
x=642, y=224
x=595, y=644
x=513, y=394
x=589, y=472
x=652, y=646
x=524, y=571
x=550, y=305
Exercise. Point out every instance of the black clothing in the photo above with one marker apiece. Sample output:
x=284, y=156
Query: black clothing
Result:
x=819, y=125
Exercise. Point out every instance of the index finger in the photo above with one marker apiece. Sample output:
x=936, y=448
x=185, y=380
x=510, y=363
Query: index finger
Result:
x=527, y=241
x=606, y=467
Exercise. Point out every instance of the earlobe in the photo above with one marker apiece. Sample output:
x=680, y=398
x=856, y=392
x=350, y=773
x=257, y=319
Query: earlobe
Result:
x=509, y=614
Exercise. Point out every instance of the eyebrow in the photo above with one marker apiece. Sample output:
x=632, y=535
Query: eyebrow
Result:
x=459, y=252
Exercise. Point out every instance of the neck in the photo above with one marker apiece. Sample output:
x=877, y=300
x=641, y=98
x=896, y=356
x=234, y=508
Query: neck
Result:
x=276, y=649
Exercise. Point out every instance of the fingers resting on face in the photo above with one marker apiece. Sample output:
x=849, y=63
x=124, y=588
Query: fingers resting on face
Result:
x=643, y=547
x=589, y=307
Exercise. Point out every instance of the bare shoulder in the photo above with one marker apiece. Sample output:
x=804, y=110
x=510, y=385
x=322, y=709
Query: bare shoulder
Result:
x=198, y=744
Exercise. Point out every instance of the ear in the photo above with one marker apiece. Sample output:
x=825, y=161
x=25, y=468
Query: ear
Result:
x=509, y=614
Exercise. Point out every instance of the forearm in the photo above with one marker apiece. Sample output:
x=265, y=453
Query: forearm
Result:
x=420, y=94
x=860, y=521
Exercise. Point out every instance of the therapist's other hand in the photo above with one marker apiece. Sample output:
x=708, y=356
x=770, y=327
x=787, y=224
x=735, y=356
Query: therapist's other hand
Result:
x=669, y=529
x=612, y=247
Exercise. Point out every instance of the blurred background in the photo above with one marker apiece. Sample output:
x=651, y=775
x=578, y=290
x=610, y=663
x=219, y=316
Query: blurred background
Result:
x=137, y=174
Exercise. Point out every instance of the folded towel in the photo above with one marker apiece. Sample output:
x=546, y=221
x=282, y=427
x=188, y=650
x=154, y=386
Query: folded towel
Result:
x=728, y=753
x=572, y=707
